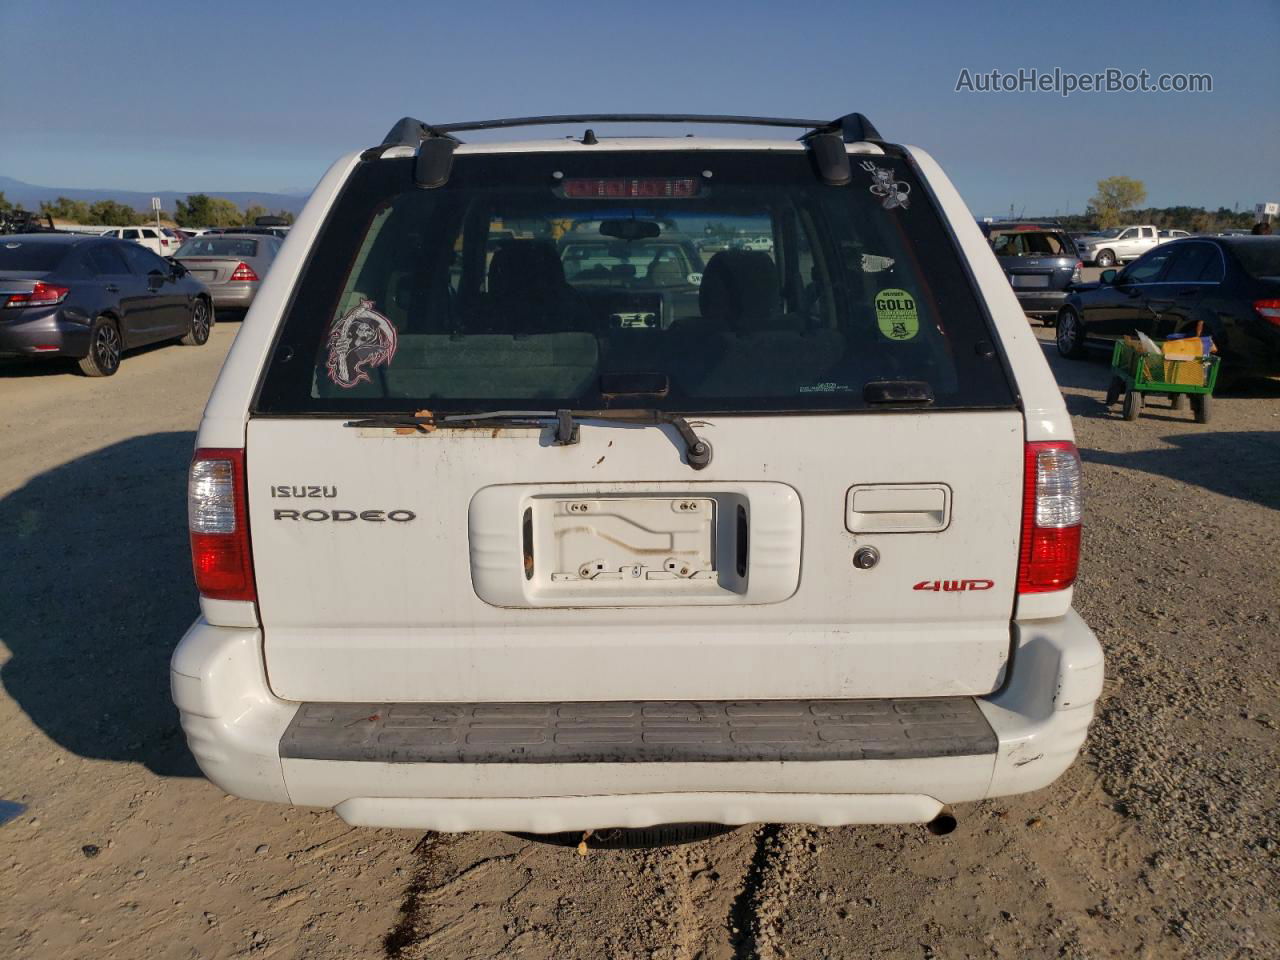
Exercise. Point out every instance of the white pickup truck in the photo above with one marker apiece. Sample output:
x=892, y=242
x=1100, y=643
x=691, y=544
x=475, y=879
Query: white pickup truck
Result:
x=1127, y=243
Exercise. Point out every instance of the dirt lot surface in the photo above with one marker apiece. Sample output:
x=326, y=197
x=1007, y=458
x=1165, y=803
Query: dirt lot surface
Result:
x=1161, y=842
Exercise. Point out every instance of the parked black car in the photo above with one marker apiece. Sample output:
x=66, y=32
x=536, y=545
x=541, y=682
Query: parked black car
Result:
x=1230, y=284
x=1040, y=261
x=92, y=298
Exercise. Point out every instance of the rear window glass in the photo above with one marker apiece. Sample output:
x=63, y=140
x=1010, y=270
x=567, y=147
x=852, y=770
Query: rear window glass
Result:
x=1260, y=258
x=218, y=247
x=724, y=282
x=18, y=255
x=1032, y=243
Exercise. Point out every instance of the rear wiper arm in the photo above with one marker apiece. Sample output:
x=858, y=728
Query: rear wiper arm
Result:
x=697, y=451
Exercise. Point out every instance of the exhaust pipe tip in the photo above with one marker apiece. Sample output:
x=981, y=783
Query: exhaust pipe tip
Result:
x=944, y=823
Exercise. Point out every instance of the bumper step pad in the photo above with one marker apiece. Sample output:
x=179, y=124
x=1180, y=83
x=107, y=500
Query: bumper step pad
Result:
x=639, y=731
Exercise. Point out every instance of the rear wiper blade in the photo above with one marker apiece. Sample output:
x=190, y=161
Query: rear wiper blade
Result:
x=697, y=451
x=454, y=420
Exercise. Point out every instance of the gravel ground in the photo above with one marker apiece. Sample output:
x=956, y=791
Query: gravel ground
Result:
x=1161, y=842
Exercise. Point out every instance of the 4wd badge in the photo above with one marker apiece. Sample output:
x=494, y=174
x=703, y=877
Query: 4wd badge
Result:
x=952, y=586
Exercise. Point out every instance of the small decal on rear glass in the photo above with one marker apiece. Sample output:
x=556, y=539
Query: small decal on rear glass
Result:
x=896, y=314
x=359, y=339
x=893, y=193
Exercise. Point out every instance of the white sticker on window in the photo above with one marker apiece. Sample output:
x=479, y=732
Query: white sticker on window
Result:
x=893, y=193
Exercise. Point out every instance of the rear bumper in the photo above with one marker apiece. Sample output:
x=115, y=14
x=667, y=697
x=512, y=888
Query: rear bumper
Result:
x=235, y=725
x=1041, y=302
x=42, y=335
x=232, y=294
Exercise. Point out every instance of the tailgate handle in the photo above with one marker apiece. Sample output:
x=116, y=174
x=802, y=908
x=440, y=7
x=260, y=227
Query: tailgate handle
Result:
x=898, y=508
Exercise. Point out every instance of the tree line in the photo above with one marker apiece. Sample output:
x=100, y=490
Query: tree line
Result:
x=198, y=210
x=1117, y=203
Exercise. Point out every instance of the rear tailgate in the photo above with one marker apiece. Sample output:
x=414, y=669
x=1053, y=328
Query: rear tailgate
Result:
x=1029, y=275
x=371, y=548
x=846, y=380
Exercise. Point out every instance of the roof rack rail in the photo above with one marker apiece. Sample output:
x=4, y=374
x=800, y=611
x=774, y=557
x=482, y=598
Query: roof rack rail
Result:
x=852, y=126
x=436, y=142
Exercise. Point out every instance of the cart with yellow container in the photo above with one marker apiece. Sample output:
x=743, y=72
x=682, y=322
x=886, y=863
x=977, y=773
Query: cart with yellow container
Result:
x=1172, y=368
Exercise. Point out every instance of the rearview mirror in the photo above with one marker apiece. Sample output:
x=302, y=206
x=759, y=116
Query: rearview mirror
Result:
x=630, y=229
x=1107, y=276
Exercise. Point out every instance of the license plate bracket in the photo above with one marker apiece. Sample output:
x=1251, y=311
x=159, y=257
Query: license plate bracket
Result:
x=635, y=544
x=629, y=540
x=1031, y=280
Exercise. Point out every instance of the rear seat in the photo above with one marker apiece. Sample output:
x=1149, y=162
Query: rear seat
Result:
x=759, y=342
x=527, y=293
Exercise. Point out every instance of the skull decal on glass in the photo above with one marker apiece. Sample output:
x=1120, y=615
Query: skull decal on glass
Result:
x=359, y=339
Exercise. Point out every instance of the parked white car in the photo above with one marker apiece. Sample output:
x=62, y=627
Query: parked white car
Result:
x=153, y=238
x=803, y=551
x=1125, y=244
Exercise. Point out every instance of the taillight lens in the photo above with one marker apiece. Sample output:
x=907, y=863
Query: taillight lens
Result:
x=219, y=525
x=43, y=295
x=1075, y=272
x=1268, y=310
x=243, y=272
x=1053, y=498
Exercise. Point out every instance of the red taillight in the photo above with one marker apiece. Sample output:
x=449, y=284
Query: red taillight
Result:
x=1051, y=506
x=1075, y=272
x=648, y=187
x=243, y=272
x=1268, y=310
x=219, y=525
x=43, y=295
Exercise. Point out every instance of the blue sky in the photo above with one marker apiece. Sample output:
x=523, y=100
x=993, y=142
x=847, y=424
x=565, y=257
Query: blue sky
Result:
x=263, y=96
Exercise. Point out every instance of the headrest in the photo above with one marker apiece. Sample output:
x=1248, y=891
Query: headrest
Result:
x=666, y=271
x=740, y=289
x=526, y=268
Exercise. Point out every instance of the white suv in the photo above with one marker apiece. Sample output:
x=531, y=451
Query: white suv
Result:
x=156, y=239
x=482, y=547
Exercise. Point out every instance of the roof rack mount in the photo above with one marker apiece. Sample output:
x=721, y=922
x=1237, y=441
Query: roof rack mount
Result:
x=436, y=142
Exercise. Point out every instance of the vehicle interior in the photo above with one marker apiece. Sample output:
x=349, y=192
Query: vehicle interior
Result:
x=1030, y=243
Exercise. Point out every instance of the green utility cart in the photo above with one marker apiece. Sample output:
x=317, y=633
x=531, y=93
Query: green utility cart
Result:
x=1136, y=373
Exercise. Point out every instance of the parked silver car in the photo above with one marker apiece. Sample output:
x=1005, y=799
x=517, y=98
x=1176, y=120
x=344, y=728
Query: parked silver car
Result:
x=231, y=265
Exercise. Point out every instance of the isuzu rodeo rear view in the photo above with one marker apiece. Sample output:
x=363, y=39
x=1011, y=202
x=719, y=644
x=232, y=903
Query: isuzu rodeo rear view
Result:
x=572, y=484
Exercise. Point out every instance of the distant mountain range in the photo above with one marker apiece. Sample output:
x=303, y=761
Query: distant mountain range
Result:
x=29, y=196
